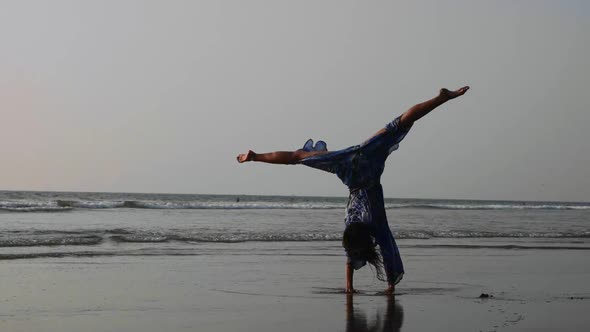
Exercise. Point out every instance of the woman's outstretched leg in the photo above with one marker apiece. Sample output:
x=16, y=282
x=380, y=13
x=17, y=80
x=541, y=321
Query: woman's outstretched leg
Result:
x=419, y=110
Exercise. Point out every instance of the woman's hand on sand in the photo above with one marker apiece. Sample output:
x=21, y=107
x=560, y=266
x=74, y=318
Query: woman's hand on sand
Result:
x=248, y=156
x=390, y=290
x=350, y=290
x=453, y=94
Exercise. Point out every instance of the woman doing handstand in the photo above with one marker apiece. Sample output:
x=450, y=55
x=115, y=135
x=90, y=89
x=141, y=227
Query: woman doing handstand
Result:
x=360, y=168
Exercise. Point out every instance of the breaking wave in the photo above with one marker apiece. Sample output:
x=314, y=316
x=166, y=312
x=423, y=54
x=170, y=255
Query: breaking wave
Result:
x=68, y=205
x=34, y=241
x=195, y=251
x=90, y=238
x=492, y=206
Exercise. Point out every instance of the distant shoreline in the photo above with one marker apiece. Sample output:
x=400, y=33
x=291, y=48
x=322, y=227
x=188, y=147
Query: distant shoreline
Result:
x=287, y=196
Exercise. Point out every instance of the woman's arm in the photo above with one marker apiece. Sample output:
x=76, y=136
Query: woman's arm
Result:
x=349, y=289
x=277, y=157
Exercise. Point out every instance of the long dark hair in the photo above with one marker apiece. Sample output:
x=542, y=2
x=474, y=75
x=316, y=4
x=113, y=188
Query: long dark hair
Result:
x=358, y=242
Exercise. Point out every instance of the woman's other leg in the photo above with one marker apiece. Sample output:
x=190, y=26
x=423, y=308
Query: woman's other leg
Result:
x=277, y=157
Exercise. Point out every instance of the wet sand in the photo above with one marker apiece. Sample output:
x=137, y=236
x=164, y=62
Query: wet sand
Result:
x=530, y=290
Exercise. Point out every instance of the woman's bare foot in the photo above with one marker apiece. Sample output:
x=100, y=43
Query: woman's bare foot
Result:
x=453, y=94
x=248, y=156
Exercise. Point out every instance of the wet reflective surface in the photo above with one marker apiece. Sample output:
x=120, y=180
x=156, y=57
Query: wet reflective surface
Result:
x=389, y=319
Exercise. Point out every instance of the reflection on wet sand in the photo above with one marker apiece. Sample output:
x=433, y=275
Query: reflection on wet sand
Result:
x=391, y=320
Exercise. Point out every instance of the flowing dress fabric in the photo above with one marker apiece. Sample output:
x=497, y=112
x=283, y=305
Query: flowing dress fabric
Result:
x=360, y=168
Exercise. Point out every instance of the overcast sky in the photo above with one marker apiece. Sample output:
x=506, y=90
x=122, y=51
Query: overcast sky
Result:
x=160, y=96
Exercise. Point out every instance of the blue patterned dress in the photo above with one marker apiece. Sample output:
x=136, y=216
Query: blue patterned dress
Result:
x=360, y=168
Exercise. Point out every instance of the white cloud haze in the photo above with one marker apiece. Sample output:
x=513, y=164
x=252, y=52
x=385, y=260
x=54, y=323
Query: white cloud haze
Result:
x=160, y=96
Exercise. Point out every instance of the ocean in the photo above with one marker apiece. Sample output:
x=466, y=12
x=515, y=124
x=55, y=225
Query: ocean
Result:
x=164, y=262
x=71, y=224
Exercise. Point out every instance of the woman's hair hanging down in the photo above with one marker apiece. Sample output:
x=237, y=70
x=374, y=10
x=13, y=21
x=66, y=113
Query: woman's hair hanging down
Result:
x=360, y=244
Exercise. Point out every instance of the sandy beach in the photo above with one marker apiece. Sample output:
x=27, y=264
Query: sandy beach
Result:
x=530, y=290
